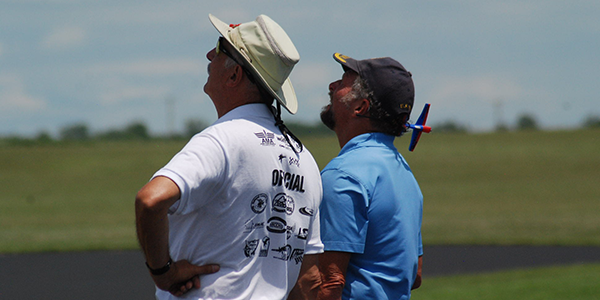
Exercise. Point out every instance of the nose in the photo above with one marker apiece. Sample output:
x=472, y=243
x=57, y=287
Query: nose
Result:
x=334, y=85
x=211, y=54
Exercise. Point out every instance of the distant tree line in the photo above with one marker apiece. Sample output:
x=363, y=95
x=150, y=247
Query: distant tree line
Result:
x=592, y=122
x=139, y=131
x=81, y=132
x=524, y=122
x=133, y=131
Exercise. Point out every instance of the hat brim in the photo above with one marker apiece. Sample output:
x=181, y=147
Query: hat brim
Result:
x=347, y=62
x=286, y=95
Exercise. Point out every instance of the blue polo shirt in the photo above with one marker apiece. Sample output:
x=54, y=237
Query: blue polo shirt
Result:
x=373, y=208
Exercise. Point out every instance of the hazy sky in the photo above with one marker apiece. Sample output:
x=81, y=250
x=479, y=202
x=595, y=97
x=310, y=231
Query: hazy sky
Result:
x=110, y=63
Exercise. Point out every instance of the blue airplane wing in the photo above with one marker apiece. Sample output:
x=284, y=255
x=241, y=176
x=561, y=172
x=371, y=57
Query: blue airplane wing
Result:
x=423, y=117
x=414, y=139
x=419, y=127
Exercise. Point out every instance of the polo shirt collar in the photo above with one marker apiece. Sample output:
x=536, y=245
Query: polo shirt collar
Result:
x=247, y=111
x=371, y=139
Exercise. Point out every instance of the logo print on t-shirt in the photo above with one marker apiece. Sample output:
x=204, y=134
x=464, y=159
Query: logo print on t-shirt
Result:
x=264, y=248
x=283, y=203
x=291, y=161
x=276, y=225
x=302, y=233
x=307, y=211
x=286, y=253
x=283, y=143
x=259, y=202
x=266, y=137
x=250, y=247
x=289, y=231
x=251, y=225
x=290, y=181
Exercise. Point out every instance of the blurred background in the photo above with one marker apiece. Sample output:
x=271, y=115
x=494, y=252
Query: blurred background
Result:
x=103, y=66
x=95, y=96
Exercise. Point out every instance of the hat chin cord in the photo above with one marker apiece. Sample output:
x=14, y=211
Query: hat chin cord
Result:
x=287, y=134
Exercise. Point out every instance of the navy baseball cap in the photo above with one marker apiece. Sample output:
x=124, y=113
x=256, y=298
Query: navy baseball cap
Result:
x=390, y=82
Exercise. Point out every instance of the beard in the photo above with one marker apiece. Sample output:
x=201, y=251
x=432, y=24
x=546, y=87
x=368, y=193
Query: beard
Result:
x=327, y=117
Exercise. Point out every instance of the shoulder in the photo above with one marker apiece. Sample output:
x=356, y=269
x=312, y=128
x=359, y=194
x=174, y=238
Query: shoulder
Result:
x=354, y=161
x=236, y=134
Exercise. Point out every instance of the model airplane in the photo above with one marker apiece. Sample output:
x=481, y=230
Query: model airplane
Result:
x=419, y=127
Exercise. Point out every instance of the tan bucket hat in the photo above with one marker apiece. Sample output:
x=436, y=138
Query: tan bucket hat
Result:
x=268, y=52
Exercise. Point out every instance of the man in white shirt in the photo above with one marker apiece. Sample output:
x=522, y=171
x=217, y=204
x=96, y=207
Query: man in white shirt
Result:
x=234, y=215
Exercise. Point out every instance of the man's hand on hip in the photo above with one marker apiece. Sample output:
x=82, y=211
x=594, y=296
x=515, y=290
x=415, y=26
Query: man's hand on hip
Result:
x=182, y=277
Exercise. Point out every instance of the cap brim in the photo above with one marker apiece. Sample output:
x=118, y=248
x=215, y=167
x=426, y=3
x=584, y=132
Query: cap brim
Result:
x=286, y=95
x=347, y=62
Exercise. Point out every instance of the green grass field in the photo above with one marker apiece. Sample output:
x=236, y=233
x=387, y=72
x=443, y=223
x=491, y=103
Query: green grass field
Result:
x=512, y=188
x=537, y=188
x=571, y=282
x=74, y=196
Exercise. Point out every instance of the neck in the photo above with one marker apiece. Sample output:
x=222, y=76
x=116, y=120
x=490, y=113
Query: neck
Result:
x=234, y=99
x=344, y=135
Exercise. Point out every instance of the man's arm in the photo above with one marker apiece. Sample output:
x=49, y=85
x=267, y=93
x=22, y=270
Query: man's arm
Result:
x=309, y=279
x=152, y=204
x=419, y=279
x=333, y=267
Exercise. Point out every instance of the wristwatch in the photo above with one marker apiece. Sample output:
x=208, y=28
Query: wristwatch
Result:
x=161, y=270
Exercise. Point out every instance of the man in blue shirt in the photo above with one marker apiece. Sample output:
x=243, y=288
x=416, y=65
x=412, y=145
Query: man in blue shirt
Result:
x=372, y=206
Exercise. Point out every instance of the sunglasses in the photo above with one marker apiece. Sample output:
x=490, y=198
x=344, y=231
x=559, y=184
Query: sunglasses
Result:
x=221, y=49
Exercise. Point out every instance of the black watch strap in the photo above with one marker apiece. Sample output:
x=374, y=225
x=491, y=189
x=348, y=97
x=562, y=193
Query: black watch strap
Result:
x=162, y=270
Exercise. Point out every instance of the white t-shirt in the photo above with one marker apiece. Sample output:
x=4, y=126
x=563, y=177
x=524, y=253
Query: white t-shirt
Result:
x=248, y=203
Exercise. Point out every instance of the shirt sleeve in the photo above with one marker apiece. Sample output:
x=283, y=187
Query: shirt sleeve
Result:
x=314, y=244
x=199, y=167
x=420, y=244
x=344, y=219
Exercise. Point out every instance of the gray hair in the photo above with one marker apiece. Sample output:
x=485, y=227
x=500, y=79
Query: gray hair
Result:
x=360, y=90
x=264, y=95
x=380, y=118
x=229, y=62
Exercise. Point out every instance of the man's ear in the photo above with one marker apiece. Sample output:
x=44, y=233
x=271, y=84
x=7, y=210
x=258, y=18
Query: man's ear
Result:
x=361, y=107
x=236, y=76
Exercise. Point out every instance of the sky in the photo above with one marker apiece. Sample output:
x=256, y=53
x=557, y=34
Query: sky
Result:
x=110, y=63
